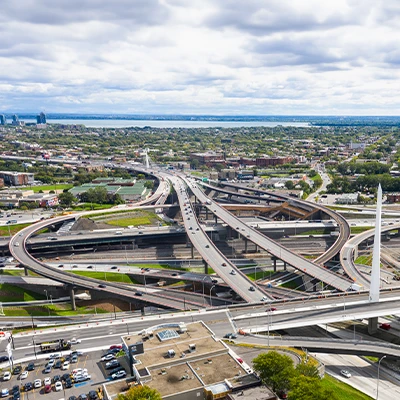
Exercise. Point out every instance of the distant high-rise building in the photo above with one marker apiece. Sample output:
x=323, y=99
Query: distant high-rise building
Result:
x=3, y=120
x=15, y=119
x=41, y=118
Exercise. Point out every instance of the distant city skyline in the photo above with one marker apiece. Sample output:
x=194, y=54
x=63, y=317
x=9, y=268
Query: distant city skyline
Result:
x=214, y=57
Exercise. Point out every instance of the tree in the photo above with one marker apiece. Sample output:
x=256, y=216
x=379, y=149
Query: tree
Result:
x=66, y=199
x=140, y=393
x=275, y=370
x=307, y=369
x=289, y=185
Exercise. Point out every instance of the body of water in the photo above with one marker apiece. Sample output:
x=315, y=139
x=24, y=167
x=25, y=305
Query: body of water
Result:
x=122, y=123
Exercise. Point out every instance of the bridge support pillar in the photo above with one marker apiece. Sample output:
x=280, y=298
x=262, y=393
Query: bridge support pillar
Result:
x=205, y=267
x=26, y=271
x=206, y=213
x=72, y=297
x=245, y=245
x=228, y=233
x=274, y=259
x=215, y=219
x=284, y=265
x=372, y=325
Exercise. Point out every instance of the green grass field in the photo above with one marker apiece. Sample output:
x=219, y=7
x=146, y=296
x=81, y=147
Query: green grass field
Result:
x=364, y=260
x=14, y=293
x=13, y=229
x=53, y=310
x=92, y=206
x=359, y=229
x=37, y=189
x=106, y=276
x=342, y=390
x=141, y=218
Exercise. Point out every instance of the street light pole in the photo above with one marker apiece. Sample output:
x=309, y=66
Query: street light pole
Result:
x=377, y=382
x=47, y=297
x=213, y=286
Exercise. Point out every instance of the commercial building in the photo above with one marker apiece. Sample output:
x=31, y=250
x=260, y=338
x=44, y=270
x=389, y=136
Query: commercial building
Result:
x=41, y=118
x=393, y=197
x=11, y=178
x=184, y=362
x=208, y=158
x=3, y=119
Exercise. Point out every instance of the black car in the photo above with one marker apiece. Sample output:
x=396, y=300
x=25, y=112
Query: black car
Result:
x=15, y=389
x=28, y=386
x=68, y=383
x=103, y=287
x=113, y=351
x=83, y=397
x=114, y=267
x=31, y=366
x=56, y=378
x=93, y=395
x=3, y=358
x=16, y=396
x=138, y=293
x=72, y=398
x=65, y=377
x=17, y=370
x=58, y=364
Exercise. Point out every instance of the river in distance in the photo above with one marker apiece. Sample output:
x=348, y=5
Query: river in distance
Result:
x=119, y=123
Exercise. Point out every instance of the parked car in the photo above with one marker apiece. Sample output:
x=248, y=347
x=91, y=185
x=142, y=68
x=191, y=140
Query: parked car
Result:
x=37, y=383
x=107, y=357
x=47, y=381
x=17, y=370
x=119, y=375
x=47, y=388
x=58, y=364
x=24, y=375
x=112, y=364
x=4, y=392
x=28, y=386
x=7, y=376
x=31, y=366
x=68, y=383
x=65, y=365
x=93, y=395
x=48, y=369
x=58, y=386
x=116, y=346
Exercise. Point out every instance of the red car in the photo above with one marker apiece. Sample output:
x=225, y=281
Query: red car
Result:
x=47, y=389
x=116, y=346
x=385, y=326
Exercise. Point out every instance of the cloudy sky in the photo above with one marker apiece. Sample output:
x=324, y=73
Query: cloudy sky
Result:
x=259, y=57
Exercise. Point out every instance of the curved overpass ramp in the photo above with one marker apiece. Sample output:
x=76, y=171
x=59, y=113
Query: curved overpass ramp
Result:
x=348, y=252
x=274, y=248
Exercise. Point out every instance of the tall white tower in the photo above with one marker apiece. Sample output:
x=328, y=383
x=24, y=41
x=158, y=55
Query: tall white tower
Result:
x=376, y=256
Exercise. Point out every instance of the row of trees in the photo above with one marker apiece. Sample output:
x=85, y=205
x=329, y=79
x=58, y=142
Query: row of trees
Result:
x=300, y=383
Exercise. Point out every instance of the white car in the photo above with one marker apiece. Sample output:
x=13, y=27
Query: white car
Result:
x=37, y=383
x=54, y=356
x=7, y=376
x=58, y=386
x=4, y=392
x=65, y=365
x=82, y=377
x=75, y=341
x=24, y=375
x=79, y=371
x=233, y=272
x=345, y=373
x=47, y=381
x=108, y=357
x=118, y=375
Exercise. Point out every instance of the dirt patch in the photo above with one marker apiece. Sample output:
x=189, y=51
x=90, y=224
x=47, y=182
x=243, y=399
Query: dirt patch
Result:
x=107, y=305
x=86, y=224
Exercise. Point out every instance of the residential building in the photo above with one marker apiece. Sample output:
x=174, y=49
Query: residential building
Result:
x=17, y=178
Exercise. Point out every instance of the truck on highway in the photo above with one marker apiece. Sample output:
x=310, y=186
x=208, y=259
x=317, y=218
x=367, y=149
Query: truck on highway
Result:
x=54, y=345
x=355, y=287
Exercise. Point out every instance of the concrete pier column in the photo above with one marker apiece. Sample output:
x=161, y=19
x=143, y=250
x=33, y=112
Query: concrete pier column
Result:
x=72, y=298
x=26, y=271
x=191, y=250
x=206, y=213
x=274, y=259
x=245, y=245
x=205, y=267
x=284, y=265
x=372, y=325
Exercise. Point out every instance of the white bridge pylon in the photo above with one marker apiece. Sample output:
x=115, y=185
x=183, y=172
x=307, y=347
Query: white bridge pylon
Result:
x=376, y=255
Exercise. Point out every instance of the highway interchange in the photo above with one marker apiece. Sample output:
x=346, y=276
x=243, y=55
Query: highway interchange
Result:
x=260, y=318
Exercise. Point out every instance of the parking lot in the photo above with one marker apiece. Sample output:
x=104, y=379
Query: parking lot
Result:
x=96, y=370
